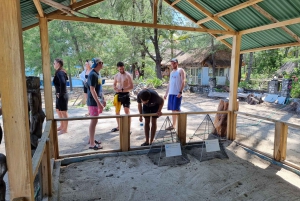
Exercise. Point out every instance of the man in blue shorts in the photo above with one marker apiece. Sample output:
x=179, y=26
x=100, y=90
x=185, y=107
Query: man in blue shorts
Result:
x=152, y=103
x=174, y=89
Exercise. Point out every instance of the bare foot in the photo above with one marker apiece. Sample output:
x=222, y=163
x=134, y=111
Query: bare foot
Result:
x=59, y=128
x=61, y=132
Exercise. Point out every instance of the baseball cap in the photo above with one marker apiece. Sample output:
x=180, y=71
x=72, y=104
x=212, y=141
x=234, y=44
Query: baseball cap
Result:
x=95, y=62
x=174, y=60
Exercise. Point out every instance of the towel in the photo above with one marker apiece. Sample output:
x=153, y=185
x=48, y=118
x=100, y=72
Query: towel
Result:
x=117, y=104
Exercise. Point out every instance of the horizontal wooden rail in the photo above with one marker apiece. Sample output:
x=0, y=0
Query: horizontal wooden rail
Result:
x=138, y=115
x=268, y=119
x=39, y=152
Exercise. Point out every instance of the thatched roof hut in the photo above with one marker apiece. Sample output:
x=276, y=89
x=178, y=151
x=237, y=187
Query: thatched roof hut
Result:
x=203, y=57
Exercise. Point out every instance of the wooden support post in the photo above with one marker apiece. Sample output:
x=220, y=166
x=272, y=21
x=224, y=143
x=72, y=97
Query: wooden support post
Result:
x=124, y=133
x=234, y=72
x=14, y=102
x=280, y=141
x=181, y=128
x=46, y=68
x=53, y=135
x=46, y=172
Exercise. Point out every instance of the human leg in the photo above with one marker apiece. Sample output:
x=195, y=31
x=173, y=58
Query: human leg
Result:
x=60, y=116
x=153, y=128
x=93, y=110
x=147, y=129
x=64, y=124
x=127, y=111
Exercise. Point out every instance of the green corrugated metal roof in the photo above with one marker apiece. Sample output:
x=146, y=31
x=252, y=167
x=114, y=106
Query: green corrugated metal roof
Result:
x=239, y=20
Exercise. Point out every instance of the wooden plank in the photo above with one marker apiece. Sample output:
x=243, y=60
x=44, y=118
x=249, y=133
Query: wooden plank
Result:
x=124, y=133
x=53, y=135
x=46, y=68
x=234, y=71
x=231, y=10
x=155, y=11
x=14, y=102
x=280, y=141
x=46, y=172
x=139, y=24
x=274, y=20
x=223, y=37
x=55, y=184
x=271, y=47
x=193, y=20
x=181, y=128
x=271, y=26
x=209, y=15
x=175, y=2
x=37, y=157
x=237, y=7
x=39, y=8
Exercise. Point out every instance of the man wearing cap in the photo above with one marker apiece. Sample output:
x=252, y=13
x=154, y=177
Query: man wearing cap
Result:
x=95, y=100
x=123, y=84
x=174, y=89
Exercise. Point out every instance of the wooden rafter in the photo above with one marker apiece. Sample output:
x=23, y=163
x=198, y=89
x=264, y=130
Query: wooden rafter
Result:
x=137, y=24
x=271, y=26
x=231, y=10
x=155, y=11
x=209, y=14
x=274, y=20
x=270, y=47
x=39, y=8
x=223, y=37
x=188, y=17
x=175, y=2
x=72, y=2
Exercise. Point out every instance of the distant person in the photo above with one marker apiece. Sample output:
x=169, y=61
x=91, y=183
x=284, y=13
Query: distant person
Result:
x=152, y=103
x=62, y=98
x=174, y=89
x=84, y=76
x=123, y=84
x=95, y=100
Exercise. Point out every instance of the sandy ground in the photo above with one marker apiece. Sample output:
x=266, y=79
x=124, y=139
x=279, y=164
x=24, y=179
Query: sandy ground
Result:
x=241, y=177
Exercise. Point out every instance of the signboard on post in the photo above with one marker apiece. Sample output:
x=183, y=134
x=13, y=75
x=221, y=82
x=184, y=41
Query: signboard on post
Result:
x=173, y=149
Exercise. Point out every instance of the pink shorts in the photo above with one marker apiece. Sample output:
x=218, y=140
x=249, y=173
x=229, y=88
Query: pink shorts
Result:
x=94, y=112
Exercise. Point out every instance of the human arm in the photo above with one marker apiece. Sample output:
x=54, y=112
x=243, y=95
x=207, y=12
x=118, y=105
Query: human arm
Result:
x=140, y=111
x=159, y=113
x=62, y=78
x=167, y=91
x=115, y=84
x=182, y=77
x=95, y=96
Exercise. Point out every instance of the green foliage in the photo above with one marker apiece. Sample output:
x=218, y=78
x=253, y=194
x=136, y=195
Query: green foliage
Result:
x=295, y=90
x=155, y=82
x=109, y=105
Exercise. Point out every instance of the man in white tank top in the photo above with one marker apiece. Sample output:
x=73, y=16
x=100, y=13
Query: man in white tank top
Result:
x=175, y=87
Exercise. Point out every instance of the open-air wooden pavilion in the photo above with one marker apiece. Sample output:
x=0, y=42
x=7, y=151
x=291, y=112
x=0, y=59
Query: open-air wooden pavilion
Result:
x=242, y=25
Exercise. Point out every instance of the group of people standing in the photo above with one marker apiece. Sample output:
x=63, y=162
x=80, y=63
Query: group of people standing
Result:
x=148, y=100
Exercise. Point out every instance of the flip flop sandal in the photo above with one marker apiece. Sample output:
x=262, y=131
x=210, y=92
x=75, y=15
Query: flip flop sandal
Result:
x=98, y=142
x=114, y=129
x=145, y=144
x=96, y=147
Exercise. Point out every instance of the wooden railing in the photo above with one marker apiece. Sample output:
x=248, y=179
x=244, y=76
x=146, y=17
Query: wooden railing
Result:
x=280, y=139
x=42, y=158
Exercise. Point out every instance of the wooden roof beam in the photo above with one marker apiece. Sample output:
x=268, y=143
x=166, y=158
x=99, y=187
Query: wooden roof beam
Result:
x=274, y=20
x=138, y=24
x=209, y=15
x=193, y=20
x=271, y=26
x=39, y=8
x=270, y=47
x=223, y=37
x=175, y=2
x=231, y=10
x=155, y=11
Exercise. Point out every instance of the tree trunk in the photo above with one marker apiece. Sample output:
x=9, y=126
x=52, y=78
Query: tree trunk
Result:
x=213, y=57
x=249, y=66
x=297, y=56
x=220, y=121
x=74, y=39
x=240, y=68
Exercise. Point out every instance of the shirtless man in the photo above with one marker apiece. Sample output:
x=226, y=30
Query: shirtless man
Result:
x=123, y=84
